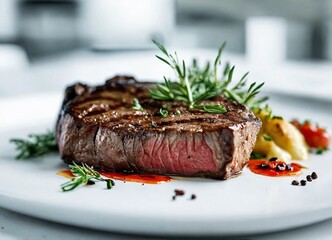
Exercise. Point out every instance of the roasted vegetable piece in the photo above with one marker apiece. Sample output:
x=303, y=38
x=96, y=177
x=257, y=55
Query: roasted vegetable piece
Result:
x=279, y=138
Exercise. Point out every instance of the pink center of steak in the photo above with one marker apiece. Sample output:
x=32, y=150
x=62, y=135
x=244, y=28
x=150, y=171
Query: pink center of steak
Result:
x=193, y=156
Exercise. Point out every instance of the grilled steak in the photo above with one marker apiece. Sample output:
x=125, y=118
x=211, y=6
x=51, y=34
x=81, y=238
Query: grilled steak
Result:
x=98, y=126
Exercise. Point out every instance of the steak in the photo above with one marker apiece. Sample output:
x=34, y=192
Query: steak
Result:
x=99, y=127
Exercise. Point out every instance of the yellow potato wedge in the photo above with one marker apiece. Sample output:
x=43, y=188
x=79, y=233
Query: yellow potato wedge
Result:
x=288, y=137
x=270, y=149
x=286, y=141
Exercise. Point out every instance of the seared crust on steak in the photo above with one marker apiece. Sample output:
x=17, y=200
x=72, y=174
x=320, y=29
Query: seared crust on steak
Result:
x=98, y=126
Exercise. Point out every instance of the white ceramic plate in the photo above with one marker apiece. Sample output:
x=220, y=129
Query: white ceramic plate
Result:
x=247, y=204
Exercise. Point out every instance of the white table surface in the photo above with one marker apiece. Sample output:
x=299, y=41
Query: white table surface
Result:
x=312, y=79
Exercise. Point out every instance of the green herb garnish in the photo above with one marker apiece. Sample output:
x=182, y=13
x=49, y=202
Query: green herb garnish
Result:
x=267, y=112
x=267, y=137
x=84, y=175
x=137, y=106
x=194, y=84
x=177, y=112
x=211, y=108
x=36, y=145
x=321, y=150
x=257, y=156
x=163, y=112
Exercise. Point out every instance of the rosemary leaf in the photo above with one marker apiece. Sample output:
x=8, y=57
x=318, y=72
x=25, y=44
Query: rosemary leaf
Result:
x=211, y=108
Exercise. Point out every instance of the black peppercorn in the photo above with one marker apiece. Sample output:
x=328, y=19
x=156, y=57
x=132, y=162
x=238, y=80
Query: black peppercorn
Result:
x=295, y=183
x=309, y=179
x=263, y=166
x=314, y=175
x=179, y=192
x=303, y=182
x=281, y=167
x=289, y=167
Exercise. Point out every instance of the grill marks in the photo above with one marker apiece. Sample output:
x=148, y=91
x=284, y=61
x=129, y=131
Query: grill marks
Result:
x=106, y=110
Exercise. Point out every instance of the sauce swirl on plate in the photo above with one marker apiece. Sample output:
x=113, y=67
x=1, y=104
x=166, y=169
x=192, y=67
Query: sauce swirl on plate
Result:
x=274, y=167
x=140, y=178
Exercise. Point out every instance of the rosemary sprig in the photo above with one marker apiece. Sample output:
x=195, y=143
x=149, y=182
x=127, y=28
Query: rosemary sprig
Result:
x=195, y=84
x=190, y=88
x=36, y=145
x=84, y=175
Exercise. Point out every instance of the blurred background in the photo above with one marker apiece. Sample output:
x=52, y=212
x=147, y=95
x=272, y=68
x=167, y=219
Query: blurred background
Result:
x=264, y=33
x=303, y=28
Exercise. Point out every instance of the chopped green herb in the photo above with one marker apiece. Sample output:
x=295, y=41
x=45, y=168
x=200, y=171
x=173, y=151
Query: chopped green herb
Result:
x=321, y=150
x=163, y=112
x=36, y=145
x=267, y=137
x=267, y=110
x=177, y=112
x=166, y=107
x=137, y=106
x=257, y=156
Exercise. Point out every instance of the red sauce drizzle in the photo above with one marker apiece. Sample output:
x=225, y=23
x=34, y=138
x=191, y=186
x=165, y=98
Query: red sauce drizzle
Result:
x=141, y=178
x=276, y=168
x=126, y=177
